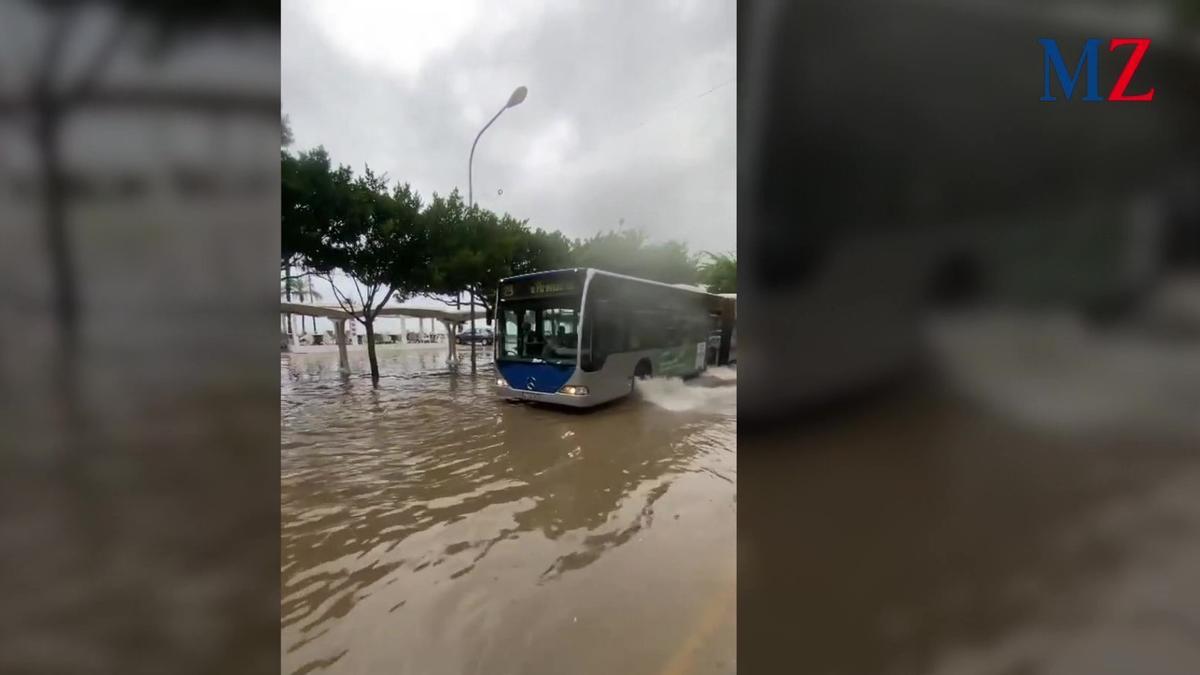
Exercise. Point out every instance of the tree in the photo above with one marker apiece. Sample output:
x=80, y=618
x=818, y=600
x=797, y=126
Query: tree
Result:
x=312, y=193
x=510, y=248
x=373, y=236
x=472, y=249
x=719, y=273
x=457, y=254
x=453, y=258
x=538, y=250
x=628, y=252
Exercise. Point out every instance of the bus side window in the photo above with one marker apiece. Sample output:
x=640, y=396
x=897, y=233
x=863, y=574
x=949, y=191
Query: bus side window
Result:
x=674, y=333
x=644, y=329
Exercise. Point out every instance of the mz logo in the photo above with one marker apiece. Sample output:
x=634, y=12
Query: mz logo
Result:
x=1089, y=61
x=531, y=383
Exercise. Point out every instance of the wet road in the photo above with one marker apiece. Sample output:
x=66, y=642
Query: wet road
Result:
x=430, y=528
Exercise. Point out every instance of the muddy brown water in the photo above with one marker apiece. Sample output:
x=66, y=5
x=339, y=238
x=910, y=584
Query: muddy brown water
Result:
x=911, y=538
x=1033, y=509
x=428, y=527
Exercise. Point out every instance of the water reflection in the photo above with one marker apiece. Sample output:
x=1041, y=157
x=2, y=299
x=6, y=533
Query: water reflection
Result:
x=427, y=502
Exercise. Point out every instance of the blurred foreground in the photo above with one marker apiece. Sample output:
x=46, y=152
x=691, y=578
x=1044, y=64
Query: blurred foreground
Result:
x=1029, y=505
x=970, y=391
x=138, y=401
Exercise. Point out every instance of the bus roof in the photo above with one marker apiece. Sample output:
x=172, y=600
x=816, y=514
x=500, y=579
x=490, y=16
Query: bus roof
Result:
x=679, y=287
x=538, y=274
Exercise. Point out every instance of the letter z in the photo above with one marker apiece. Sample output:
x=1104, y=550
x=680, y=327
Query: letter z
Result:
x=1135, y=60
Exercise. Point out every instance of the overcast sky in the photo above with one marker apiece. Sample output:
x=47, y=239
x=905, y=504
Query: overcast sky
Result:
x=631, y=109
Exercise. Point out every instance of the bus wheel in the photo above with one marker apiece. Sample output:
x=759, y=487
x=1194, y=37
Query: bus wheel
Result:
x=642, y=370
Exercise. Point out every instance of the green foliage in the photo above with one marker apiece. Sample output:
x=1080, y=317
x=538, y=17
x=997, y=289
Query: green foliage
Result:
x=455, y=258
x=629, y=252
x=299, y=287
x=386, y=240
x=472, y=249
x=313, y=196
x=331, y=220
x=719, y=273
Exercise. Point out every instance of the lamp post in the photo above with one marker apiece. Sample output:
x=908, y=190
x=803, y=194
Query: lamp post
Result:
x=514, y=100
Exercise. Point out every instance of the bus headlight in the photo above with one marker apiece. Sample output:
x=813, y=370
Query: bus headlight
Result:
x=574, y=390
x=500, y=382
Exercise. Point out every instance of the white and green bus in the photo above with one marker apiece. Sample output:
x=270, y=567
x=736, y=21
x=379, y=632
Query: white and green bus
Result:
x=581, y=337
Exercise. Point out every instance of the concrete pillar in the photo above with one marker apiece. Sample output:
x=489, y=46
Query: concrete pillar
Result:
x=451, y=351
x=339, y=327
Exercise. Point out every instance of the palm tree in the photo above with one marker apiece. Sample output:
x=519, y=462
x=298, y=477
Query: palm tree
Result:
x=313, y=296
x=301, y=288
x=719, y=272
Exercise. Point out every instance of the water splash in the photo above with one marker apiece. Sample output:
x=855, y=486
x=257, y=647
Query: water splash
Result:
x=714, y=391
x=1054, y=371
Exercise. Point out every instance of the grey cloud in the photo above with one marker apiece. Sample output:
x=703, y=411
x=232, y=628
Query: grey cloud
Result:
x=614, y=88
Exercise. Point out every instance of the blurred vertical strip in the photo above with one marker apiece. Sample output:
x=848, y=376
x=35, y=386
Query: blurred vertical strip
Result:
x=969, y=324
x=139, y=203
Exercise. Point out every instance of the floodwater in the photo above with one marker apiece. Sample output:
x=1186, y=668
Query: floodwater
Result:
x=429, y=527
x=1035, y=508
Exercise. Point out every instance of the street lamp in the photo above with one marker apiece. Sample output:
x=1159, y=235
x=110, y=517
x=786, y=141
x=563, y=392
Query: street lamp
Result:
x=515, y=99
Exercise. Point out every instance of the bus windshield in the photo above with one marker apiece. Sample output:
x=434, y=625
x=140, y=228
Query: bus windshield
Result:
x=540, y=330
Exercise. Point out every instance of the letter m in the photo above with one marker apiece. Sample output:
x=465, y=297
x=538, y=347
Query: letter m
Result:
x=1052, y=59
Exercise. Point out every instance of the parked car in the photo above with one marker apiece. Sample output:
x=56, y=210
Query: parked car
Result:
x=477, y=335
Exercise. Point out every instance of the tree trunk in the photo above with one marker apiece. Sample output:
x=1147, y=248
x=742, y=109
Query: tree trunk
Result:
x=287, y=291
x=369, y=322
x=449, y=341
x=58, y=241
x=314, y=319
x=489, y=307
x=309, y=298
x=65, y=298
x=339, y=326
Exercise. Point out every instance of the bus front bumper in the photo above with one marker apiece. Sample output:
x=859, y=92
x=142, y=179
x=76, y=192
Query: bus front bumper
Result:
x=586, y=401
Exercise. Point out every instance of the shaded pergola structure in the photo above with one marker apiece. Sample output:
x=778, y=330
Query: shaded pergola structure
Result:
x=450, y=318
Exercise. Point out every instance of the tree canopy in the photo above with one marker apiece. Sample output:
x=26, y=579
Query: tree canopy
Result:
x=471, y=249
x=392, y=245
x=719, y=272
x=630, y=252
x=334, y=220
